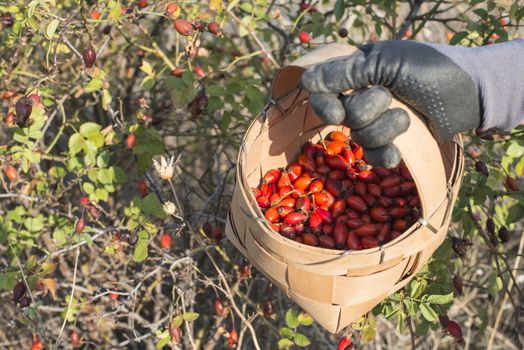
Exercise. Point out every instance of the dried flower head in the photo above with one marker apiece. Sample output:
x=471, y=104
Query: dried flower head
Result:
x=169, y=208
x=165, y=168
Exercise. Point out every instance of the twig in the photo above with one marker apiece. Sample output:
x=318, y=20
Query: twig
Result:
x=157, y=50
x=61, y=130
x=186, y=323
x=240, y=58
x=506, y=297
x=484, y=236
x=19, y=195
x=70, y=300
x=64, y=29
x=427, y=17
x=409, y=19
x=78, y=245
x=253, y=35
x=75, y=51
x=223, y=279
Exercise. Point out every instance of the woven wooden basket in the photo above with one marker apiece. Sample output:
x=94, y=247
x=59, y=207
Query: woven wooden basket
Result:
x=336, y=287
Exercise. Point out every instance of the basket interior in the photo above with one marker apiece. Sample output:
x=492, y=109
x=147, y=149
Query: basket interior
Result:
x=274, y=140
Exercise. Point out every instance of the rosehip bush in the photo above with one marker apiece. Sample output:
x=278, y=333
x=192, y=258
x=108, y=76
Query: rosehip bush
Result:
x=120, y=125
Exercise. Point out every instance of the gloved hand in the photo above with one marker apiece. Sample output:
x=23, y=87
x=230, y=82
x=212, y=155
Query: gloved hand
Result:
x=453, y=88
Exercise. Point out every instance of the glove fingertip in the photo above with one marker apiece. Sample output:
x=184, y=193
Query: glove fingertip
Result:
x=306, y=79
x=328, y=107
x=387, y=156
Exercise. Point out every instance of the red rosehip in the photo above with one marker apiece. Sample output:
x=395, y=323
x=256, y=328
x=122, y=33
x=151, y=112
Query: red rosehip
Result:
x=213, y=28
x=11, y=173
x=165, y=241
x=304, y=37
x=95, y=14
x=184, y=27
x=89, y=56
x=130, y=141
x=199, y=71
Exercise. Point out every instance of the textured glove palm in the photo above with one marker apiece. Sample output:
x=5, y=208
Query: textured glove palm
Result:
x=417, y=74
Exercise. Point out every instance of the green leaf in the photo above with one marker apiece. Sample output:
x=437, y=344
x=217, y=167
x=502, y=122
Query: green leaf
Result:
x=102, y=161
x=391, y=311
x=162, y=342
x=120, y=174
x=141, y=250
x=301, y=340
x=440, y=298
x=75, y=144
x=146, y=68
x=253, y=93
x=180, y=92
x=102, y=194
x=57, y=171
x=428, y=313
x=90, y=129
x=88, y=187
x=152, y=206
x=457, y=38
x=401, y=316
x=8, y=280
x=248, y=23
x=215, y=90
x=31, y=8
x=60, y=237
x=226, y=120
x=285, y=343
x=92, y=174
x=51, y=28
x=416, y=289
x=481, y=13
x=177, y=321
x=94, y=85
x=20, y=135
x=369, y=330
x=110, y=188
x=35, y=134
x=215, y=103
x=338, y=10
x=190, y=316
x=409, y=306
x=422, y=328
x=106, y=99
x=105, y=176
x=33, y=24
x=87, y=238
x=70, y=313
x=35, y=224
x=246, y=7
x=286, y=332
x=515, y=213
x=495, y=285
x=291, y=318
x=515, y=150
x=148, y=82
x=16, y=214
x=305, y=319
x=116, y=10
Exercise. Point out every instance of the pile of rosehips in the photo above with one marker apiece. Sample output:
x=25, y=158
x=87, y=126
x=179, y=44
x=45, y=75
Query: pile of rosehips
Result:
x=331, y=198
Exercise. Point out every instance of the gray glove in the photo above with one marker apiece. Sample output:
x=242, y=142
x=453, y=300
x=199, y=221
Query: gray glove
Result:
x=453, y=88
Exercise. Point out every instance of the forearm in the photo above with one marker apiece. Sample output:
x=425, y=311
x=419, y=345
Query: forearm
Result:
x=498, y=71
